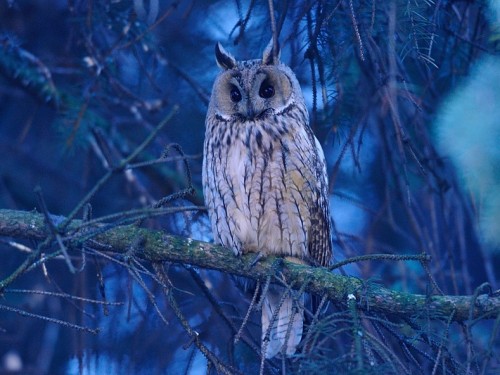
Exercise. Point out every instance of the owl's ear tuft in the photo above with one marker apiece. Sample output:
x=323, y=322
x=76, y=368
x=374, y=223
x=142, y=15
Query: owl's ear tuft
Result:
x=224, y=59
x=268, y=57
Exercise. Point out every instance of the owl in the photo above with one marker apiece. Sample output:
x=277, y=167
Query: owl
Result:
x=264, y=179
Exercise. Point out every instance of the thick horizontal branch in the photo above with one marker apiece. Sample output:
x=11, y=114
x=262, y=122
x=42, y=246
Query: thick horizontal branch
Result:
x=157, y=246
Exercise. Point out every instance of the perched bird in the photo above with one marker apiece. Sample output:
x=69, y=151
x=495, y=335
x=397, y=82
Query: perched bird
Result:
x=264, y=179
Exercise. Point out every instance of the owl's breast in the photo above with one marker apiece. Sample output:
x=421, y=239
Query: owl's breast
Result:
x=268, y=192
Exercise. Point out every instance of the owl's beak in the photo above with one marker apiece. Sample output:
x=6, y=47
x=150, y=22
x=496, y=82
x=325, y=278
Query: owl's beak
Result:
x=250, y=113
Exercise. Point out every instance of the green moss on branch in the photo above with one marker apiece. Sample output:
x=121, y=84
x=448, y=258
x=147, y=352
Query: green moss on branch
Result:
x=157, y=246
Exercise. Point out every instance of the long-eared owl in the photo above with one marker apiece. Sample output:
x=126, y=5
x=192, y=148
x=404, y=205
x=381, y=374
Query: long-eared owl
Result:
x=264, y=179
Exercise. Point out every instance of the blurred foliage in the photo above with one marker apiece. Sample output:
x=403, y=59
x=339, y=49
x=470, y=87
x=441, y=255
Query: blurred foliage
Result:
x=469, y=131
x=83, y=83
x=26, y=70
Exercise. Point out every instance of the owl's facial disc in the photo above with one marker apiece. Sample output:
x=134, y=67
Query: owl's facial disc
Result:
x=244, y=103
x=256, y=93
x=252, y=91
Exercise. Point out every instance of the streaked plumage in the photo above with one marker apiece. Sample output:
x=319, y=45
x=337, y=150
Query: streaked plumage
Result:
x=264, y=175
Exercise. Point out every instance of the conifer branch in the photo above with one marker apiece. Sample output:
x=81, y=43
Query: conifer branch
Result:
x=157, y=246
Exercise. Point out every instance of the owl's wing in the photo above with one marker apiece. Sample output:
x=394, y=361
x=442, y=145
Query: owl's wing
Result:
x=320, y=241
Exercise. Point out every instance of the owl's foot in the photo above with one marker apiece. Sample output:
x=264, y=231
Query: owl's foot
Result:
x=258, y=257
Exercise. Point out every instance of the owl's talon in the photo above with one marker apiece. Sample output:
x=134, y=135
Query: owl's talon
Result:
x=258, y=257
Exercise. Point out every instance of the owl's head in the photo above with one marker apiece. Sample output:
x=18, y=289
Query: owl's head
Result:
x=253, y=89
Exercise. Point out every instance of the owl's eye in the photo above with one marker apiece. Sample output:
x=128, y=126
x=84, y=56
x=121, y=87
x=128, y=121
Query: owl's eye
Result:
x=266, y=90
x=235, y=94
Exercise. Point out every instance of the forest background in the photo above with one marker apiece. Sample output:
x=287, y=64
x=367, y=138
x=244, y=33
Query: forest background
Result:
x=102, y=107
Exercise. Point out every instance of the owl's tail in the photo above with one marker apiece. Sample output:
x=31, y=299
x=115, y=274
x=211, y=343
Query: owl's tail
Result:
x=287, y=324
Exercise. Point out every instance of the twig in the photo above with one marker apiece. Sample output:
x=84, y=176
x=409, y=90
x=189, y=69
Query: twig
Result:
x=392, y=257
x=49, y=319
x=211, y=357
x=120, y=167
x=62, y=295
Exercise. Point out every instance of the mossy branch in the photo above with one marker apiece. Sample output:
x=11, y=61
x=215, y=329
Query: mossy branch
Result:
x=157, y=246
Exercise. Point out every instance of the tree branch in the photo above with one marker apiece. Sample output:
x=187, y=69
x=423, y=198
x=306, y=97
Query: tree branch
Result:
x=158, y=246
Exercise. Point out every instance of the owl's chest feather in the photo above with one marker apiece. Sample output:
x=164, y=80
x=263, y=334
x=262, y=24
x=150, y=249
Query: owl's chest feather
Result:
x=267, y=209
